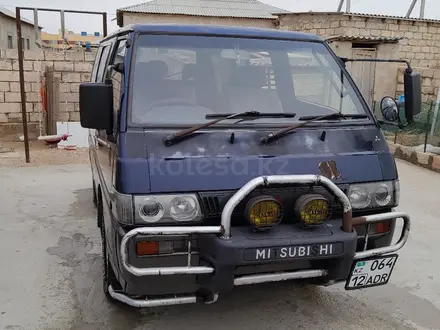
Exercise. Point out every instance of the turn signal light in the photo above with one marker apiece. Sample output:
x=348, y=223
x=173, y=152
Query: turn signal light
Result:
x=147, y=248
x=382, y=227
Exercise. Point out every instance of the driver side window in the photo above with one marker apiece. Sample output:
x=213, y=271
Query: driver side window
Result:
x=100, y=72
x=117, y=82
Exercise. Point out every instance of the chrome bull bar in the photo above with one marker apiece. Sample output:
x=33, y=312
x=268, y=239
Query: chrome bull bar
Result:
x=286, y=179
x=224, y=230
x=375, y=218
x=167, y=231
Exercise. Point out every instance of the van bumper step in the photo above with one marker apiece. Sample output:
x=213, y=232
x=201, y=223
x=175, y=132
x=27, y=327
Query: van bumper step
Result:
x=144, y=303
x=277, y=277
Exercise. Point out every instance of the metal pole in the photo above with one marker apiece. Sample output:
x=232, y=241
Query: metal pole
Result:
x=411, y=8
x=65, y=10
x=422, y=8
x=427, y=126
x=341, y=2
x=37, y=30
x=22, y=91
x=348, y=8
x=63, y=28
x=104, y=26
x=434, y=120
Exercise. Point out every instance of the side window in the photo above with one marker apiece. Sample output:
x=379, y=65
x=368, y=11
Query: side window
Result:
x=10, y=42
x=103, y=63
x=102, y=67
x=117, y=79
x=96, y=64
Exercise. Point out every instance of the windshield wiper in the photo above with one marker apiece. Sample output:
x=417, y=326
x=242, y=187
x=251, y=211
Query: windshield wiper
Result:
x=255, y=114
x=307, y=119
x=246, y=115
x=336, y=115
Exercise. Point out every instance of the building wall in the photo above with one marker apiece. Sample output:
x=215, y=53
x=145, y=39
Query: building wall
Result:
x=55, y=40
x=384, y=73
x=133, y=18
x=421, y=43
x=8, y=27
x=71, y=67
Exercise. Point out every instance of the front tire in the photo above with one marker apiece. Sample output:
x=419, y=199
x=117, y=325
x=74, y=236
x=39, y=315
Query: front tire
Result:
x=100, y=211
x=108, y=275
x=95, y=196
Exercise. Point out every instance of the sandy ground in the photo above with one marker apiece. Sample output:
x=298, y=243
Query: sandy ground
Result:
x=50, y=274
x=12, y=154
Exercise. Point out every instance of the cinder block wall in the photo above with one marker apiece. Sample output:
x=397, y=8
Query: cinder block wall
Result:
x=72, y=67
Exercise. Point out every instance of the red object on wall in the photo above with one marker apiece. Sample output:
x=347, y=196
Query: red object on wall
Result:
x=43, y=95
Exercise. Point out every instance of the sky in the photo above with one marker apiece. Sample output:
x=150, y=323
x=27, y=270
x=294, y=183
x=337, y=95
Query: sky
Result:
x=92, y=23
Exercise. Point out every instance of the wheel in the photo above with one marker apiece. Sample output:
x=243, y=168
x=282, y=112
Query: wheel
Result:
x=100, y=211
x=95, y=198
x=108, y=275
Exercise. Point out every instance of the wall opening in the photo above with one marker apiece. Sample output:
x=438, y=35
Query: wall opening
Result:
x=358, y=45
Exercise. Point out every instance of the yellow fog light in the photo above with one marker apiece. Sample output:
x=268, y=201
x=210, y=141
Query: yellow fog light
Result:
x=313, y=209
x=263, y=212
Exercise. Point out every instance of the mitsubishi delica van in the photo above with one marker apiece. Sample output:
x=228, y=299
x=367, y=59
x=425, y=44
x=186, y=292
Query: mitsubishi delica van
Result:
x=227, y=156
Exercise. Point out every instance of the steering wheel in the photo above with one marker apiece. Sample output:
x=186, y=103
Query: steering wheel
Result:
x=173, y=101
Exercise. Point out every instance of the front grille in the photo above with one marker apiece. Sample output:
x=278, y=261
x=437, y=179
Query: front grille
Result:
x=214, y=202
x=211, y=205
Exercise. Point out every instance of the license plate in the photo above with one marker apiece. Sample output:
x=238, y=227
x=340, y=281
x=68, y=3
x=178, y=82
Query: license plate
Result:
x=294, y=252
x=371, y=272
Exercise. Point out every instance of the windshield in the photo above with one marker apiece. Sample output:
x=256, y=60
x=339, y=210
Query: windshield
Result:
x=178, y=80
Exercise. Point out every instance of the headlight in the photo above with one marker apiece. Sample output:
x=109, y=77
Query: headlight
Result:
x=374, y=194
x=167, y=208
x=359, y=197
x=184, y=208
x=151, y=210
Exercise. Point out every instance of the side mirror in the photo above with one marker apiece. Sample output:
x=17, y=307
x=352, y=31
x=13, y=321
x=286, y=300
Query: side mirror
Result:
x=96, y=105
x=389, y=109
x=413, y=94
x=118, y=67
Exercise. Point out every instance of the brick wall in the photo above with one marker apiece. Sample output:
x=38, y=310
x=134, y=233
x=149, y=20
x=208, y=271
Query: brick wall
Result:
x=420, y=44
x=430, y=82
x=71, y=67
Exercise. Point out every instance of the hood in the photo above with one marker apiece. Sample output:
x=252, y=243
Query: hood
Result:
x=227, y=159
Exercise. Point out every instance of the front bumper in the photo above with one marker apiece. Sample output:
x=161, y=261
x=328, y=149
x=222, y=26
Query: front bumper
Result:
x=222, y=265
x=248, y=253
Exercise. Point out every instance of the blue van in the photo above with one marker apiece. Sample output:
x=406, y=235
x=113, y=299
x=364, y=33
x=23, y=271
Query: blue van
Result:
x=227, y=156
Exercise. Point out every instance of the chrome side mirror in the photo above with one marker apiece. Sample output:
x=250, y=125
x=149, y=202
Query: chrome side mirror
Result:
x=389, y=109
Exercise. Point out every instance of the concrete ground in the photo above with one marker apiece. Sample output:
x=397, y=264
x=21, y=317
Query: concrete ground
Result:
x=50, y=273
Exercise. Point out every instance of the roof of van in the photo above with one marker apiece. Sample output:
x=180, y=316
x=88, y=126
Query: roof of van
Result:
x=215, y=30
